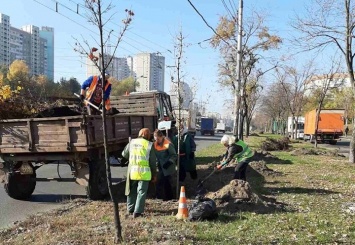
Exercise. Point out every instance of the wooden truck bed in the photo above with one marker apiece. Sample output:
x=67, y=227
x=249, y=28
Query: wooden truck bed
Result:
x=68, y=134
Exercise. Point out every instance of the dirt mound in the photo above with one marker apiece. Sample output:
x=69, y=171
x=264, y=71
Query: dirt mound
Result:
x=314, y=151
x=60, y=111
x=263, y=155
x=274, y=145
x=254, y=134
x=235, y=190
x=260, y=167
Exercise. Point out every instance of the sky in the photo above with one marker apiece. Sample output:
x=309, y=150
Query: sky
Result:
x=154, y=27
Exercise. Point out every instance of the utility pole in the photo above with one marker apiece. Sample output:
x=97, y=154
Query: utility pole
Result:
x=237, y=96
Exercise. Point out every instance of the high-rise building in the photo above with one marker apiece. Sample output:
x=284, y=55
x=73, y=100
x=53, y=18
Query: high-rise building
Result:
x=4, y=39
x=149, y=69
x=146, y=68
x=47, y=33
x=186, y=95
x=119, y=68
x=28, y=44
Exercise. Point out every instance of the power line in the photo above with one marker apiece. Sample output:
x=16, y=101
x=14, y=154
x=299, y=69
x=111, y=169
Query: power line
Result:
x=167, y=50
x=204, y=20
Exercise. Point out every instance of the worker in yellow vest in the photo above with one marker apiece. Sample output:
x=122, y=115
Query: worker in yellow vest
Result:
x=141, y=170
x=91, y=90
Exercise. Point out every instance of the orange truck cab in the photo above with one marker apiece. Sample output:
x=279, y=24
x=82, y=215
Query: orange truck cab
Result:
x=330, y=125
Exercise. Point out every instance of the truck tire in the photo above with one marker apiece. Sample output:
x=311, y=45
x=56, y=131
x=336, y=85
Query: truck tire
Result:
x=212, y=133
x=97, y=188
x=332, y=142
x=20, y=186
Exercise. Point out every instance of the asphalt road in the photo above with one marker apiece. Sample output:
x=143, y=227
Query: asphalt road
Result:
x=343, y=146
x=50, y=194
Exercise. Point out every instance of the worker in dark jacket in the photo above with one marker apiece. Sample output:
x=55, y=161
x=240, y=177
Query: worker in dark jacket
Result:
x=166, y=156
x=91, y=90
x=240, y=152
x=141, y=170
x=186, y=154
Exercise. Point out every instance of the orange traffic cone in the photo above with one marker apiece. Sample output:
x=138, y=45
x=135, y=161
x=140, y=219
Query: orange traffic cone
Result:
x=183, y=213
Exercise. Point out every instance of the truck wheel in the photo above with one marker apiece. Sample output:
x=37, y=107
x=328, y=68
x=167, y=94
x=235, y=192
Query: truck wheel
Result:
x=212, y=134
x=20, y=186
x=97, y=188
x=332, y=142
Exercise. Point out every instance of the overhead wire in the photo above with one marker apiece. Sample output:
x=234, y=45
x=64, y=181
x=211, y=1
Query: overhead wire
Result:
x=94, y=32
x=140, y=36
x=56, y=10
x=208, y=25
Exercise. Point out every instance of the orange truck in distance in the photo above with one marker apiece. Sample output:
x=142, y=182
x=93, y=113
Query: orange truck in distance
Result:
x=330, y=126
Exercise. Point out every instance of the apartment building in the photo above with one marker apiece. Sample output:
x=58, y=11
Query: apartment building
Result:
x=149, y=70
x=4, y=39
x=30, y=43
x=119, y=68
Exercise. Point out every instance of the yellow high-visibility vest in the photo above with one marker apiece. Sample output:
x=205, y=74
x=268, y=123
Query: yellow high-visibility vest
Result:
x=139, y=151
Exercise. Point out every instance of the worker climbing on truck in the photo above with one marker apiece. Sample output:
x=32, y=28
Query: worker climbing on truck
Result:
x=239, y=151
x=91, y=91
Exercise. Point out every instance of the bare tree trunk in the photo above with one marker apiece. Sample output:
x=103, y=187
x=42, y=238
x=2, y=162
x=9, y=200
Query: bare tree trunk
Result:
x=118, y=228
x=236, y=111
x=316, y=128
x=247, y=130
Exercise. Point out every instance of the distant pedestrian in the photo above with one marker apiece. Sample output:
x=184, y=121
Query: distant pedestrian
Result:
x=141, y=170
x=166, y=156
x=240, y=152
x=346, y=131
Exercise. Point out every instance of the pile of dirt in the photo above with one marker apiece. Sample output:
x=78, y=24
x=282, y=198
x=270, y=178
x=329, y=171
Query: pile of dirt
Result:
x=274, y=145
x=314, y=151
x=235, y=190
x=260, y=167
x=254, y=134
x=263, y=155
x=59, y=111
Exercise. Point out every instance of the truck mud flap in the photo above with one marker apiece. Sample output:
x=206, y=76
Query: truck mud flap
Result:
x=2, y=174
x=82, y=174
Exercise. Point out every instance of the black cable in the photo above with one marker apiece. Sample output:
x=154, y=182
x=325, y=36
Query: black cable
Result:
x=94, y=31
x=60, y=177
x=204, y=20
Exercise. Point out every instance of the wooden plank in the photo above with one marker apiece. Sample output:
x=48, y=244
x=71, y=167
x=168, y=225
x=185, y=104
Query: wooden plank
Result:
x=136, y=101
x=121, y=127
x=46, y=119
x=51, y=133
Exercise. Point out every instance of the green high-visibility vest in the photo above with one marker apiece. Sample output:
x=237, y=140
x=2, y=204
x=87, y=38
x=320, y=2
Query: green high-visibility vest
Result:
x=139, y=151
x=245, y=154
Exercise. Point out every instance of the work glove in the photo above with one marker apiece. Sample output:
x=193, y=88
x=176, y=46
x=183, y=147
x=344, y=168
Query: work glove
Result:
x=167, y=164
x=100, y=106
x=220, y=166
x=82, y=98
x=192, y=155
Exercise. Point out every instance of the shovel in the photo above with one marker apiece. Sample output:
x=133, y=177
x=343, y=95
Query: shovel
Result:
x=91, y=104
x=200, y=188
